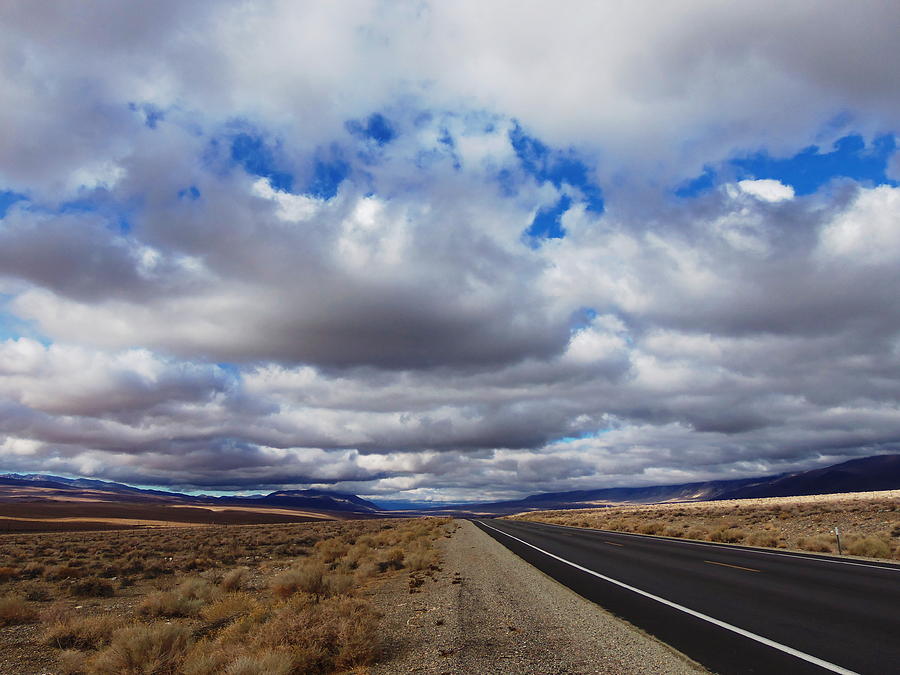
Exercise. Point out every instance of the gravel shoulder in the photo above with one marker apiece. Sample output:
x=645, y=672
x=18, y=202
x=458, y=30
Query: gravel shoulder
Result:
x=488, y=611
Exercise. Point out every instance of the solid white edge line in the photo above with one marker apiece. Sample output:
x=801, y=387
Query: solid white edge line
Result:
x=710, y=544
x=721, y=624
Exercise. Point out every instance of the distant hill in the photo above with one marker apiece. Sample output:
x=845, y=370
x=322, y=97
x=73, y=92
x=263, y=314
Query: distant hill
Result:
x=311, y=499
x=39, y=502
x=881, y=472
x=306, y=499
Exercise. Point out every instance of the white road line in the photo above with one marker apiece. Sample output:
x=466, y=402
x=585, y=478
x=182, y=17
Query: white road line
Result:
x=709, y=544
x=721, y=624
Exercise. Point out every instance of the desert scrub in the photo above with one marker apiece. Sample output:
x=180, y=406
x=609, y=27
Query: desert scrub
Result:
x=804, y=523
x=310, y=576
x=234, y=580
x=822, y=543
x=323, y=636
x=91, y=587
x=231, y=606
x=185, y=600
x=79, y=632
x=729, y=534
x=284, y=602
x=869, y=547
x=142, y=650
x=14, y=609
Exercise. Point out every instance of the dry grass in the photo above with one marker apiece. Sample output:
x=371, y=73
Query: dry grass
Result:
x=15, y=609
x=869, y=522
x=240, y=600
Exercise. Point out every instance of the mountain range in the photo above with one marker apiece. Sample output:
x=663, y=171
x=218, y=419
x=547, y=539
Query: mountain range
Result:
x=57, y=486
x=36, y=497
x=881, y=472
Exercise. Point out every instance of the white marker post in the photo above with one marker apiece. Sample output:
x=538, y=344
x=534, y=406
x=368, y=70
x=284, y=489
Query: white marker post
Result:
x=837, y=534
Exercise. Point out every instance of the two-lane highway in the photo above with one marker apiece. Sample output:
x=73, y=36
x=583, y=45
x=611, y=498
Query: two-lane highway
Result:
x=733, y=609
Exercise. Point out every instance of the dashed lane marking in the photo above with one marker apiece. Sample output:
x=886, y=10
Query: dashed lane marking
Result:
x=737, y=567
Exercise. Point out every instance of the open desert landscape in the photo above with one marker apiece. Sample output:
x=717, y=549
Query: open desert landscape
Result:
x=238, y=599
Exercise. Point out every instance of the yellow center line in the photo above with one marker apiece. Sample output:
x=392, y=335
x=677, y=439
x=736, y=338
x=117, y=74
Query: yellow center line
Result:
x=737, y=567
x=611, y=543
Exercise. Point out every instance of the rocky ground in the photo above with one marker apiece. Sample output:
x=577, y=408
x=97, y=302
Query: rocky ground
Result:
x=487, y=611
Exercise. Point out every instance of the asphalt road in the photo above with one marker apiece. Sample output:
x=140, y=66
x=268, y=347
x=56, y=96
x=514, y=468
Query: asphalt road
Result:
x=732, y=609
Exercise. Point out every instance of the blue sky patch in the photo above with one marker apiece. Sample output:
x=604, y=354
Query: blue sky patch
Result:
x=583, y=435
x=547, y=223
x=191, y=193
x=258, y=159
x=376, y=127
x=7, y=199
x=808, y=170
x=327, y=177
x=811, y=168
x=555, y=166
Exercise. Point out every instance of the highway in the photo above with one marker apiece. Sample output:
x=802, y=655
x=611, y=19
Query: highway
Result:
x=733, y=609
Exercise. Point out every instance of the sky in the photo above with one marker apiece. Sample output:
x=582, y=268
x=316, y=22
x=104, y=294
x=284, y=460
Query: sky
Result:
x=447, y=251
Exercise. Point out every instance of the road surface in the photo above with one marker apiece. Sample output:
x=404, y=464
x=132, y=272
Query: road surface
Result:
x=733, y=609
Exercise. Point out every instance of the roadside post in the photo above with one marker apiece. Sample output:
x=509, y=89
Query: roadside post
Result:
x=837, y=535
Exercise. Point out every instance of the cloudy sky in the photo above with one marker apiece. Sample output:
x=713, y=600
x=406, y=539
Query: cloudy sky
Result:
x=447, y=250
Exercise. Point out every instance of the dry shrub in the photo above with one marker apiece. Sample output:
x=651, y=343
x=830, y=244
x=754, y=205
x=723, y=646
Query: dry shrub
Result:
x=14, y=610
x=653, y=527
x=216, y=658
x=155, y=649
x=268, y=662
x=322, y=636
x=35, y=591
x=32, y=570
x=309, y=576
x=92, y=587
x=330, y=550
x=71, y=662
x=8, y=573
x=208, y=658
x=421, y=557
x=821, y=543
x=767, y=539
x=869, y=547
x=233, y=580
x=728, y=534
x=367, y=570
x=77, y=632
x=60, y=572
x=232, y=605
x=700, y=533
x=186, y=600
x=393, y=558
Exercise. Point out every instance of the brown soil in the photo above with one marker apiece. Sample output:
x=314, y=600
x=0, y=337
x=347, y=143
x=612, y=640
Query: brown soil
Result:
x=68, y=515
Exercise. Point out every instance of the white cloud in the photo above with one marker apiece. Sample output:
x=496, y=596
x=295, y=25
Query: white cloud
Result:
x=767, y=189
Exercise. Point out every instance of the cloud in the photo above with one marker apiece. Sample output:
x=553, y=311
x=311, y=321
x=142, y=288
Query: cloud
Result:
x=767, y=189
x=284, y=243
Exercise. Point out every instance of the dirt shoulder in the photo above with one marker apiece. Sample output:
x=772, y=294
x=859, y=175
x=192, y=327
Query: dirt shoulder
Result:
x=488, y=611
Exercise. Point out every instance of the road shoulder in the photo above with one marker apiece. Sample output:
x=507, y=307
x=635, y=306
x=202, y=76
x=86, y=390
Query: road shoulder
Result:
x=488, y=611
